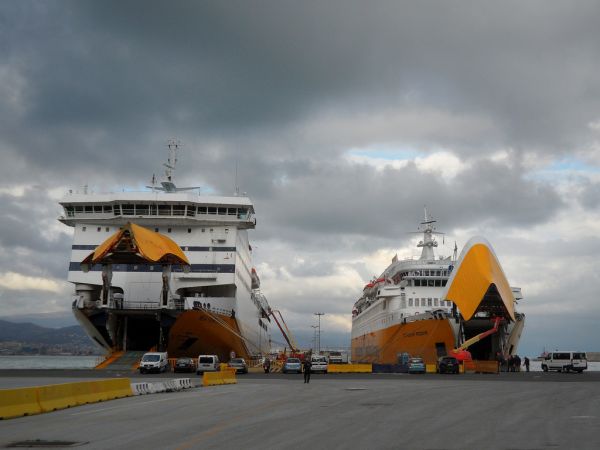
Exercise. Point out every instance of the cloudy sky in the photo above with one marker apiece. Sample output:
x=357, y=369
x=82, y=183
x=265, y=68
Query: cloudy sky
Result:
x=345, y=119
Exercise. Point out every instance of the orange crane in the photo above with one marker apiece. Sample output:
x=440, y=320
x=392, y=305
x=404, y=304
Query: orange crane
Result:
x=287, y=334
x=462, y=348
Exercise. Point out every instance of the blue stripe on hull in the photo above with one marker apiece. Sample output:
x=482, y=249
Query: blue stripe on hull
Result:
x=188, y=248
x=198, y=268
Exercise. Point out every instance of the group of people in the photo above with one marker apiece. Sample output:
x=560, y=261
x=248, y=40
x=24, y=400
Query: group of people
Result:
x=512, y=363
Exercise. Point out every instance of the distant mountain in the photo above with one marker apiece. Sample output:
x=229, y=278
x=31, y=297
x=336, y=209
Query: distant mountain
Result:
x=59, y=319
x=29, y=333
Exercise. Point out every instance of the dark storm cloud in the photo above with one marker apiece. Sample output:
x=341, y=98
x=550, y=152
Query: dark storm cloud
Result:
x=102, y=77
x=90, y=91
x=360, y=200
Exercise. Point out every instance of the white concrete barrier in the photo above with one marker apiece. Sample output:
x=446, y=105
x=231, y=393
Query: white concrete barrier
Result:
x=156, y=387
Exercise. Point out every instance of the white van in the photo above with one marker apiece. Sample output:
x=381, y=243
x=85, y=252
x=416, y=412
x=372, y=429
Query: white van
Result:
x=208, y=363
x=318, y=363
x=565, y=361
x=154, y=362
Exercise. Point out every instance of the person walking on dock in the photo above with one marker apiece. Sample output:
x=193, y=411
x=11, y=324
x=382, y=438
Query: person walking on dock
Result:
x=306, y=365
x=526, y=364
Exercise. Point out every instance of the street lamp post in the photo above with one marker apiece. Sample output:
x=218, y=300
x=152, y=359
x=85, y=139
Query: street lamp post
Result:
x=319, y=314
x=314, y=327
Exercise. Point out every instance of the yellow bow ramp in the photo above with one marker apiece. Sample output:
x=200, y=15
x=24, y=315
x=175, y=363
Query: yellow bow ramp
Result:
x=478, y=283
x=137, y=241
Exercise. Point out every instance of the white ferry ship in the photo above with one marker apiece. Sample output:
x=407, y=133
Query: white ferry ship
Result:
x=214, y=306
x=430, y=307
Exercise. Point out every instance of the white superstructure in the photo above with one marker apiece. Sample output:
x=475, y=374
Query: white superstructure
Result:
x=212, y=231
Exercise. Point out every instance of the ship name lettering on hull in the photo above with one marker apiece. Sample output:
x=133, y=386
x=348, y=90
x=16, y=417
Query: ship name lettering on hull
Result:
x=415, y=333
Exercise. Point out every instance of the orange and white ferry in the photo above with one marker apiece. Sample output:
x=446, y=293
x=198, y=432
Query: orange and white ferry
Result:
x=431, y=307
x=169, y=269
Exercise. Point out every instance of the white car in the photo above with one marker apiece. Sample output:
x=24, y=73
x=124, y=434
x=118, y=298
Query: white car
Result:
x=208, y=363
x=565, y=362
x=154, y=362
x=318, y=364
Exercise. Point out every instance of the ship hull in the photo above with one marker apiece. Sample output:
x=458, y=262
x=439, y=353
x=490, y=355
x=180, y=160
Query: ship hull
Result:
x=427, y=339
x=199, y=332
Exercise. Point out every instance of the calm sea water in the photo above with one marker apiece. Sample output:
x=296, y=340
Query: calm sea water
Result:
x=49, y=362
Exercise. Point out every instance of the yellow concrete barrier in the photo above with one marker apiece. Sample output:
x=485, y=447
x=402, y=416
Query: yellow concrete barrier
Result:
x=35, y=400
x=18, y=402
x=226, y=376
x=482, y=366
x=430, y=368
x=350, y=368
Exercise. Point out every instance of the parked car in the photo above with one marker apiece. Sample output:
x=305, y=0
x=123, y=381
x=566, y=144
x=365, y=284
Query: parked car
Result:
x=154, y=362
x=318, y=363
x=292, y=365
x=447, y=364
x=184, y=364
x=208, y=363
x=416, y=365
x=239, y=364
x=565, y=362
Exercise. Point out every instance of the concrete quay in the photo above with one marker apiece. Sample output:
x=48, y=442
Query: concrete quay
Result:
x=353, y=411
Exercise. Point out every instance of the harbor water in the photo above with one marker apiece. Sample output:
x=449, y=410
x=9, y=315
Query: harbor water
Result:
x=49, y=362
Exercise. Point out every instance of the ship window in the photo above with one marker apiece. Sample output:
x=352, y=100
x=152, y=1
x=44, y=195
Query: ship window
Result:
x=242, y=213
x=107, y=229
x=164, y=210
x=437, y=273
x=211, y=230
x=69, y=211
x=168, y=230
x=99, y=228
x=97, y=208
x=431, y=282
x=152, y=210
x=231, y=211
x=156, y=229
x=178, y=210
x=83, y=228
x=128, y=209
x=438, y=282
x=203, y=230
x=212, y=210
x=141, y=210
x=410, y=302
x=436, y=302
x=201, y=209
x=226, y=230
x=444, y=282
x=108, y=209
x=189, y=230
x=191, y=211
x=117, y=210
x=79, y=209
x=429, y=302
x=416, y=302
x=222, y=211
x=89, y=209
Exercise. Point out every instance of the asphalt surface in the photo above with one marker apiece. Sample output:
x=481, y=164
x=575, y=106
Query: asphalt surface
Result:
x=356, y=411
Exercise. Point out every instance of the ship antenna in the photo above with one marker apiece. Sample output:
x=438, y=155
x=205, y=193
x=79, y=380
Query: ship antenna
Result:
x=236, y=187
x=173, y=146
